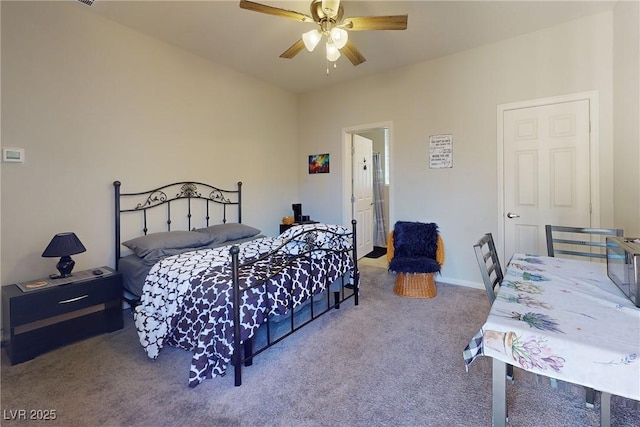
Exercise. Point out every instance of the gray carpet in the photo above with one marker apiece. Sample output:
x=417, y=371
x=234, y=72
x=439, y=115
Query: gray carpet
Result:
x=390, y=361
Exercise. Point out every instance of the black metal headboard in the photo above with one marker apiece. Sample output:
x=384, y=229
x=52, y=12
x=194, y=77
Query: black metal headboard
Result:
x=186, y=192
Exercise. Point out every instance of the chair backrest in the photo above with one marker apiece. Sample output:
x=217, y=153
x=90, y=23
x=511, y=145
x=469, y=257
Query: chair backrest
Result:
x=410, y=228
x=487, y=257
x=412, y=238
x=579, y=242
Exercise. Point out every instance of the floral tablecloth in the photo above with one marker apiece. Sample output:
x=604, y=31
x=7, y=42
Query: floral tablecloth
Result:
x=564, y=319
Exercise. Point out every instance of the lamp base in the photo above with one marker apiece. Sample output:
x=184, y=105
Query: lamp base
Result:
x=64, y=266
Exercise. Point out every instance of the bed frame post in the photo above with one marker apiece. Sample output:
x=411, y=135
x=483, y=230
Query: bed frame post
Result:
x=116, y=185
x=237, y=348
x=356, y=272
x=240, y=201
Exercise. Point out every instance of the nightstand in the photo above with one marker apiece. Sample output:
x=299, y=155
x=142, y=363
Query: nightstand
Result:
x=38, y=320
x=284, y=227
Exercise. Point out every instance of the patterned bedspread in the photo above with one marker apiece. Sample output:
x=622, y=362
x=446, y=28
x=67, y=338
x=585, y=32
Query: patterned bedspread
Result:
x=187, y=298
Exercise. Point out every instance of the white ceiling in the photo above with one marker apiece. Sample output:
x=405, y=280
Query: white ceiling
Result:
x=251, y=42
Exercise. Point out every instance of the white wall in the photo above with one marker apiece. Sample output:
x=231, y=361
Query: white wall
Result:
x=458, y=95
x=1, y=167
x=91, y=102
x=626, y=86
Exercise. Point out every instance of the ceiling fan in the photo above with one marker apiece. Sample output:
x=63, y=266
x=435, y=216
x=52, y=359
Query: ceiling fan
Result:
x=327, y=14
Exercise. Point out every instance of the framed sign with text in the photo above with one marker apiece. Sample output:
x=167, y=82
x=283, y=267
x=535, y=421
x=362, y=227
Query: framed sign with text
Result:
x=440, y=151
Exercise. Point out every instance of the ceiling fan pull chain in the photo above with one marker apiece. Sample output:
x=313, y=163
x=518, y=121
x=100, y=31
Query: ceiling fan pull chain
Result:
x=334, y=66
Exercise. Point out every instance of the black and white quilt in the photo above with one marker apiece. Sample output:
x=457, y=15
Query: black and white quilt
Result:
x=187, y=298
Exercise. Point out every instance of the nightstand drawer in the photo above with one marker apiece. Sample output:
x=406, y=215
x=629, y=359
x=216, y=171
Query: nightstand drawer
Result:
x=46, y=303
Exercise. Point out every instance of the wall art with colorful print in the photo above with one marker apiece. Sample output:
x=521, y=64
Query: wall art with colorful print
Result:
x=319, y=163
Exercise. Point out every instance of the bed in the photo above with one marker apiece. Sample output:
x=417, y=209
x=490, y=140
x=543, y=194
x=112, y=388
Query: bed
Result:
x=199, y=279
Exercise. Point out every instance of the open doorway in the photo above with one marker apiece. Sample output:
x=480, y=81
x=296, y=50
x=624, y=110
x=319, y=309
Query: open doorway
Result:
x=372, y=233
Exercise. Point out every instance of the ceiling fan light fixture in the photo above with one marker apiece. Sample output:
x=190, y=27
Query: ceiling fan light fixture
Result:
x=328, y=16
x=339, y=37
x=330, y=8
x=333, y=53
x=311, y=39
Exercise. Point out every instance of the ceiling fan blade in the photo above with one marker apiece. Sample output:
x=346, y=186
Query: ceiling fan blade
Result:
x=349, y=50
x=293, y=50
x=276, y=11
x=364, y=23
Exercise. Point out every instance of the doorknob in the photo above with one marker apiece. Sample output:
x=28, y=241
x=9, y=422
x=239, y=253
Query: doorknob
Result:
x=512, y=215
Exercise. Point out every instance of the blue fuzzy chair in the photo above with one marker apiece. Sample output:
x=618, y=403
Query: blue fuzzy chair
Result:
x=415, y=252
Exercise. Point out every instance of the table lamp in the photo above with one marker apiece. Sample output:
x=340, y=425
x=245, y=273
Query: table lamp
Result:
x=64, y=245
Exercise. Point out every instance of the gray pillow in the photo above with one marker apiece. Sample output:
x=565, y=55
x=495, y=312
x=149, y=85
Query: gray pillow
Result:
x=157, y=254
x=229, y=231
x=144, y=245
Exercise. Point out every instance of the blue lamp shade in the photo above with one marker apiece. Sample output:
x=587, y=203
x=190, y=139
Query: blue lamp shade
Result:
x=64, y=245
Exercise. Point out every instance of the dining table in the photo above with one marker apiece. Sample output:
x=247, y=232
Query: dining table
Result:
x=564, y=319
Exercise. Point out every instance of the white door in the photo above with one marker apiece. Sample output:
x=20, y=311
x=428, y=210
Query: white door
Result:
x=546, y=173
x=363, y=192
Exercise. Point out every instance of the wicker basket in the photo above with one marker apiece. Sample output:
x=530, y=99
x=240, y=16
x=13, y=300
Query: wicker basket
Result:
x=415, y=285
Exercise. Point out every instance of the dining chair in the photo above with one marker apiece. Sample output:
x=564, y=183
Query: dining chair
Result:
x=491, y=271
x=487, y=257
x=580, y=242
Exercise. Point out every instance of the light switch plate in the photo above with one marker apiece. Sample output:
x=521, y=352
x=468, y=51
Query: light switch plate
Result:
x=15, y=155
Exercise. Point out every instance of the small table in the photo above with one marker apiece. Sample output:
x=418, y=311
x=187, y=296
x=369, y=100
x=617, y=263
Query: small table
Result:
x=285, y=227
x=47, y=315
x=563, y=319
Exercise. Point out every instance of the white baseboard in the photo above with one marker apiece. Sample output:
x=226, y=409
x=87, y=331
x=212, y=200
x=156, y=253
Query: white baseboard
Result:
x=459, y=282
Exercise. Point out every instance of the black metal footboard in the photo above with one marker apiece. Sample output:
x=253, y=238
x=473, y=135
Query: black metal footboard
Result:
x=346, y=287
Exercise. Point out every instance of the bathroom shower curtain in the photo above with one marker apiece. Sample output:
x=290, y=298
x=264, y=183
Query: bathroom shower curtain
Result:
x=379, y=229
